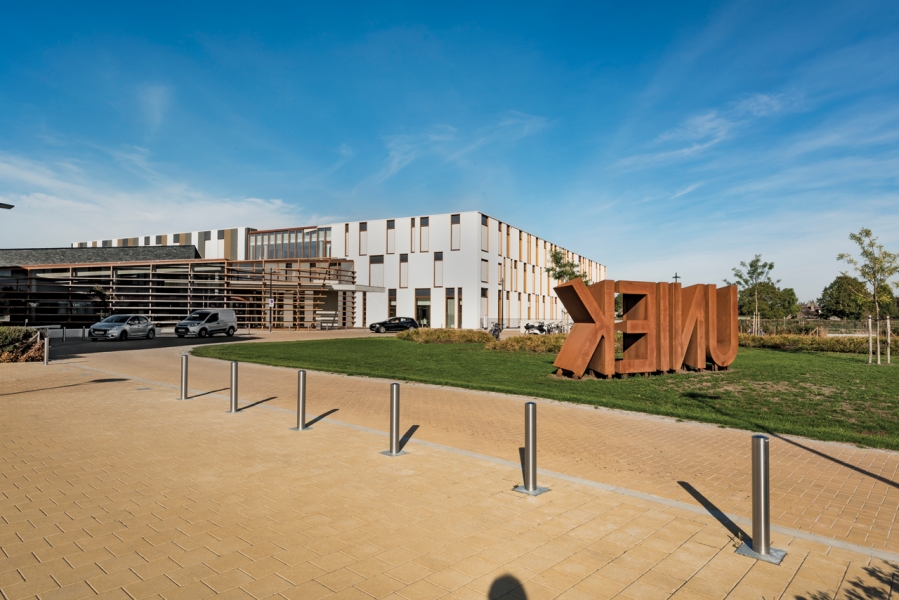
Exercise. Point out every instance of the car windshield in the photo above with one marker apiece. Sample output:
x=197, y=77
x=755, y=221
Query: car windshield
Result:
x=197, y=316
x=116, y=319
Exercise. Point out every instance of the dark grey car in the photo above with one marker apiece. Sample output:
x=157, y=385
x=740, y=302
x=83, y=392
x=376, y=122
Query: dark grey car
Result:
x=122, y=327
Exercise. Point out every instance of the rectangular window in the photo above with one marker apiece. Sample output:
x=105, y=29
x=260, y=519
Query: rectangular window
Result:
x=146, y=240
x=404, y=270
x=485, y=240
x=485, y=267
x=425, y=234
x=423, y=306
x=346, y=239
x=412, y=239
x=159, y=241
x=376, y=271
x=176, y=238
x=520, y=248
x=508, y=242
x=391, y=236
x=438, y=269
x=391, y=304
x=455, y=232
x=220, y=234
x=499, y=238
x=484, y=307
x=363, y=239
x=450, y=308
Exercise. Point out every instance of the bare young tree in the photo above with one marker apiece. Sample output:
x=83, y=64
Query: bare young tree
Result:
x=875, y=266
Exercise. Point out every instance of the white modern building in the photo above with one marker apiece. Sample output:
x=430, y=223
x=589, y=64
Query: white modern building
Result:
x=462, y=270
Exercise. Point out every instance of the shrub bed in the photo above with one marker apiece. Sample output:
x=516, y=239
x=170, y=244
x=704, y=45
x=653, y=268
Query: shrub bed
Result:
x=850, y=345
x=541, y=344
x=426, y=335
x=20, y=344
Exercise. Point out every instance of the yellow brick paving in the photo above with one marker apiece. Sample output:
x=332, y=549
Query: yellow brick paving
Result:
x=110, y=487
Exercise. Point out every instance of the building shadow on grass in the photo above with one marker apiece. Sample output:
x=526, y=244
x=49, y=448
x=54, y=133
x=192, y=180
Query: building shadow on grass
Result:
x=713, y=510
x=507, y=587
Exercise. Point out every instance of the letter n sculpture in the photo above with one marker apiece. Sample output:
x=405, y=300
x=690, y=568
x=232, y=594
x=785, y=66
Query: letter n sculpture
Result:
x=664, y=327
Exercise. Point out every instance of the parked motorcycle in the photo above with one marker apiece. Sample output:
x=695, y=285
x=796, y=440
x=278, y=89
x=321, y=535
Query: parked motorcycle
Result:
x=535, y=329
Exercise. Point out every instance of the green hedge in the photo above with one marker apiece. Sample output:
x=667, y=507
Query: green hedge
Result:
x=850, y=345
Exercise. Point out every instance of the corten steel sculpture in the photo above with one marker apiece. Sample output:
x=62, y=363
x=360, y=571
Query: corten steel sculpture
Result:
x=665, y=327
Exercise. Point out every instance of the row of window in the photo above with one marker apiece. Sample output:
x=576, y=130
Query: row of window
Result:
x=290, y=243
x=419, y=238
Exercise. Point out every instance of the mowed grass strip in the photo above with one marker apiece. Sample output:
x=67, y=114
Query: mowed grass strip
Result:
x=834, y=397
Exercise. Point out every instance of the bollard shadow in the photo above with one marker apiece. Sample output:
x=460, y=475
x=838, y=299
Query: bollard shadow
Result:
x=507, y=587
x=753, y=426
x=321, y=416
x=713, y=510
x=206, y=393
x=521, y=462
x=243, y=408
x=58, y=387
x=407, y=436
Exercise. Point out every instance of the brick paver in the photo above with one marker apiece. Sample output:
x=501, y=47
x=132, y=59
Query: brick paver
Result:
x=110, y=486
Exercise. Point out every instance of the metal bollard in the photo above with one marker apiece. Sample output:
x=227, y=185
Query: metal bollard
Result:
x=761, y=506
x=47, y=348
x=394, y=422
x=234, y=386
x=301, y=400
x=82, y=333
x=183, y=377
x=530, y=452
x=63, y=334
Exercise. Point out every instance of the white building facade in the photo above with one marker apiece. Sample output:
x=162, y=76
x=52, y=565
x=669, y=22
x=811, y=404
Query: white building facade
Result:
x=458, y=270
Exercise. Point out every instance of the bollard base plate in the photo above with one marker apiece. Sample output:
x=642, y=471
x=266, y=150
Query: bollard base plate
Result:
x=524, y=490
x=388, y=453
x=307, y=428
x=774, y=557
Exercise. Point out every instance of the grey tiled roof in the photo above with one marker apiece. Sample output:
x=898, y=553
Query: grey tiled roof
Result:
x=18, y=257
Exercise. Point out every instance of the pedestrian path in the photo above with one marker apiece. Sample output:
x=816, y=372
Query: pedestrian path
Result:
x=110, y=486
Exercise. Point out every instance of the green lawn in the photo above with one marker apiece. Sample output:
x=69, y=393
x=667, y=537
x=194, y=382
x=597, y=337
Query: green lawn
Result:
x=823, y=396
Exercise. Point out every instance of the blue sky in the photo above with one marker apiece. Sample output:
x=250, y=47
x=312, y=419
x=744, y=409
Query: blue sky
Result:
x=654, y=137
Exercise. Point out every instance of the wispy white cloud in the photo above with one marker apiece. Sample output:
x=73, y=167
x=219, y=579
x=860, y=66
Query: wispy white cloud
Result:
x=154, y=101
x=452, y=145
x=687, y=190
x=56, y=205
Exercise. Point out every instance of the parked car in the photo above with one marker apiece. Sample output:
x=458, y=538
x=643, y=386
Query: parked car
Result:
x=394, y=324
x=202, y=323
x=122, y=327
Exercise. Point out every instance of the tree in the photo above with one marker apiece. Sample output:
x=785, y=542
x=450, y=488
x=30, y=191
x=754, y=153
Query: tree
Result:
x=843, y=298
x=875, y=266
x=768, y=301
x=757, y=272
x=563, y=270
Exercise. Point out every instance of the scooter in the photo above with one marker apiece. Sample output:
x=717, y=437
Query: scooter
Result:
x=538, y=329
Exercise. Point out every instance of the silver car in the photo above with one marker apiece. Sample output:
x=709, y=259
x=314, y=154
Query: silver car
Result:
x=122, y=327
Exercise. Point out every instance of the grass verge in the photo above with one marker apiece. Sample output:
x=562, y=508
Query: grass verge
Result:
x=833, y=397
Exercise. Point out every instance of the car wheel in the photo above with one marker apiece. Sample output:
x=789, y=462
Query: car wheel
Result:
x=180, y=334
x=151, y=334
x=230, y=332
x=203, y=333
x=93, y=339
x=381, y=329
x=123, y=336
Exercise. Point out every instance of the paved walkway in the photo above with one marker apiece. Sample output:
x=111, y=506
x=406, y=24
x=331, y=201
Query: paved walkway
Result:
x=109, y=485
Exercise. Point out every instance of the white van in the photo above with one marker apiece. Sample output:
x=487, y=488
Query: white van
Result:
x=209, y=321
